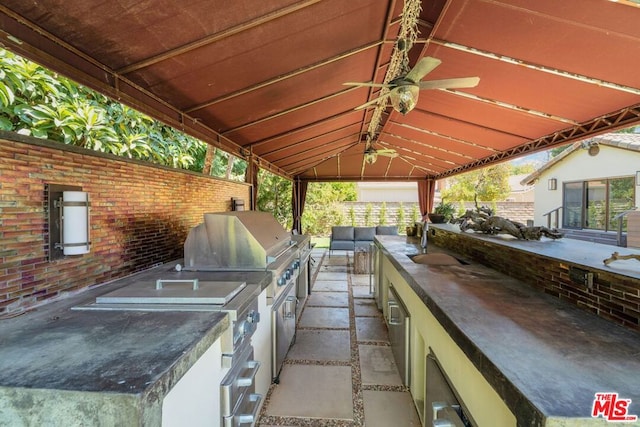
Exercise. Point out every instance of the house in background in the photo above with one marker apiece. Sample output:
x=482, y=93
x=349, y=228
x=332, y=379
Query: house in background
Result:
x=520, y=191
x=589, y=184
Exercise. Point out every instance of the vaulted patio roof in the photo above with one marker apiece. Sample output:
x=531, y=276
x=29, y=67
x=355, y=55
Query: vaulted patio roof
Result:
x=264, y=80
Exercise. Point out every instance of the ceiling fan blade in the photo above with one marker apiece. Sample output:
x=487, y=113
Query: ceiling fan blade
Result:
x=372, y=102
x=387, y=153
x=422, y=68
x=450, y=83
x=365, y=84
x=386, y=150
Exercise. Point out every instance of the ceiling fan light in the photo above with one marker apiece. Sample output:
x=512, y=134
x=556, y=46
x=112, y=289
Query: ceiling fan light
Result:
x=370, y=158
x=404, y=98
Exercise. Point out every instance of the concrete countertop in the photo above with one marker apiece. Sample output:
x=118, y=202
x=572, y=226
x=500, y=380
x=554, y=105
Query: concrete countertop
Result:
x=136, y=353
x=587, y=254
x=544, y=357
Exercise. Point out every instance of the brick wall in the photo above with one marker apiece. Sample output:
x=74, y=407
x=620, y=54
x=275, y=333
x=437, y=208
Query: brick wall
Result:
x=614, y=297
x=140, y=216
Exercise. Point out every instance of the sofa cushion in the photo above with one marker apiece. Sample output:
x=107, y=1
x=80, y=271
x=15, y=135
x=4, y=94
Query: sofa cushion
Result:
x=342, y=245
x=342, y=232
x=386, y=230
x=364, y=233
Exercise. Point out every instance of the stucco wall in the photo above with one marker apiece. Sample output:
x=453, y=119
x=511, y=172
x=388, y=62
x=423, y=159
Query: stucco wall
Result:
x=140, y=216
x=610, y=162
x=406, y=192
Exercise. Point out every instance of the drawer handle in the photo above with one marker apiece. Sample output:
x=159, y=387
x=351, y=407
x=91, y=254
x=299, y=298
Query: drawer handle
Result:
x=443, y=423
x=393, y=320
x=194, y=282
x=252, y=417
x=248, y=380
x=290, y=307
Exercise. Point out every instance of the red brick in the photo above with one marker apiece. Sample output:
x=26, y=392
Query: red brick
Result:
x=140, y=216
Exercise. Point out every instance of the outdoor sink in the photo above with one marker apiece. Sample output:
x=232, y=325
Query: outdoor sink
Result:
x=436, y=258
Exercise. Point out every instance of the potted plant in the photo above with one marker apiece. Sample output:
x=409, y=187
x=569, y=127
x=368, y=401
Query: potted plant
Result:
x=442, y=213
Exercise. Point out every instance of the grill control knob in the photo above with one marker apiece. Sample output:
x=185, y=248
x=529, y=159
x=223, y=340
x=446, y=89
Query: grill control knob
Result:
x=288, y=273
x=253, y=317
x=281, y=280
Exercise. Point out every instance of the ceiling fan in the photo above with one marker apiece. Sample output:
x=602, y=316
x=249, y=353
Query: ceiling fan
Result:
x=404, y=90
x=371, y=153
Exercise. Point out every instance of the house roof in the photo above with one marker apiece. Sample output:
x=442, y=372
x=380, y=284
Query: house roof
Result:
x=263, y=80
x=623, y=141
x=517, y=184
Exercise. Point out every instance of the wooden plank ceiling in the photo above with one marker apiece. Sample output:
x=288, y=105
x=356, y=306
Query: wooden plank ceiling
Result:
x=263, y=79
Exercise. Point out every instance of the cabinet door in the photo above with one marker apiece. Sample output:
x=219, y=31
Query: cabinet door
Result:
x=196, y=396
x=261, y=341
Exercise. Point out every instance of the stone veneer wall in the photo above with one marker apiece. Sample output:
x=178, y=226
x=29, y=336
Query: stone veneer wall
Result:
x=140, y=216
x=516, y=211
x=614, y=297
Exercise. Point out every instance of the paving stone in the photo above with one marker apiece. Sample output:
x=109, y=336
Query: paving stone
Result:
x=324, y=317
x=313, y=391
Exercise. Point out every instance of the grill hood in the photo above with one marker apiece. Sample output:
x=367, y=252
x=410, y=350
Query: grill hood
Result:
x=235, y=240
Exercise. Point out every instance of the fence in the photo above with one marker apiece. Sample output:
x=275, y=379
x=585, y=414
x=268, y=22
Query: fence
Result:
x=389, y=213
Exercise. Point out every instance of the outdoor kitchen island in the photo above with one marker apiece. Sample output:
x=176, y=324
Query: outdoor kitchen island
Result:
x=66, y=367
x=513, y=355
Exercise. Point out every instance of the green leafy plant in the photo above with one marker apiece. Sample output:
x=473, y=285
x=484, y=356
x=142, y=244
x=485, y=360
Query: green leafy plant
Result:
x=414, y=214
x=447, y=210
x=38, y=102
x=368, y=211
x=383, y=214
x=400, y=219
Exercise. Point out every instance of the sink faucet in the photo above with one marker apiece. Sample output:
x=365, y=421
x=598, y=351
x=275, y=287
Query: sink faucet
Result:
x=423, y=240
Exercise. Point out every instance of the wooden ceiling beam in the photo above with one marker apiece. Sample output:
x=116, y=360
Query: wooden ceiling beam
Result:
x=288, y=111
x=307, y=127
x=536, y=67
x=283, y=77
x=171, y=53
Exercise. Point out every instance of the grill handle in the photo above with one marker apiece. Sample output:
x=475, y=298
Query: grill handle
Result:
x=194, y=282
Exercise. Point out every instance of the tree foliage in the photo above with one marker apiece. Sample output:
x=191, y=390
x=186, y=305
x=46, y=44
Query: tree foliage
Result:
x=330, y=192
x=323, y=206
x=557, y=150
x=37, y=102
x=487, y=184
x=522, y=169
x=274, y=195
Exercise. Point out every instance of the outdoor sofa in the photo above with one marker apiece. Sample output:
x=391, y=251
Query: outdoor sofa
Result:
x=349, y=238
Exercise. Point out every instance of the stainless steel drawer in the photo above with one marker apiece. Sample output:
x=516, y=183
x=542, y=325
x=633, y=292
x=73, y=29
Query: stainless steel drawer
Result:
x=246, y=413
x=240, y=381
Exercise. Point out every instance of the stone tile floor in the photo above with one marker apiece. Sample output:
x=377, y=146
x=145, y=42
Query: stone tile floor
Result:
x=340, y=370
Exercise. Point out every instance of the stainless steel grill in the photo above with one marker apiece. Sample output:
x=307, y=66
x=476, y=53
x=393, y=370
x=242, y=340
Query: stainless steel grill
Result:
x=255, y=241
x=236, y=240
x=243, y=241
